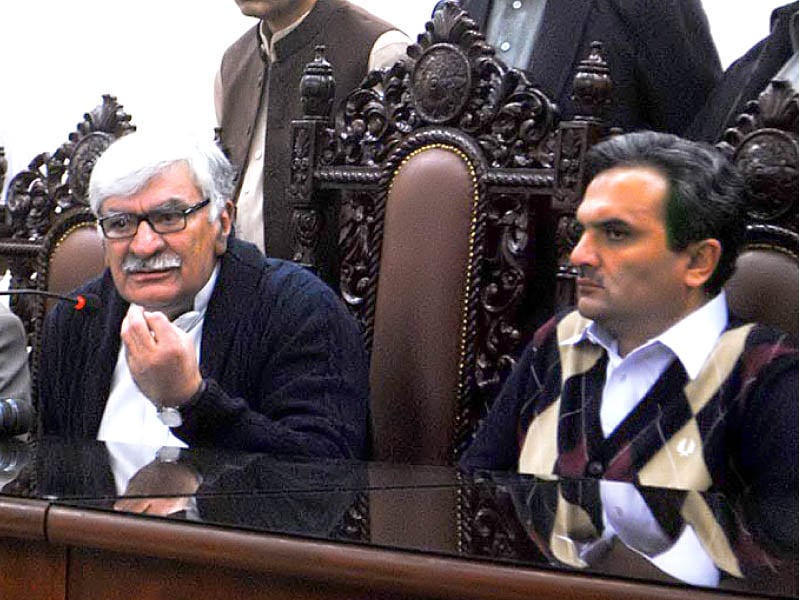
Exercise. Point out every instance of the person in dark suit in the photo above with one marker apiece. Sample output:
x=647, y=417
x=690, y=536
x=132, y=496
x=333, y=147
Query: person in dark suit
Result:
x=774, y=57
x=662, y=58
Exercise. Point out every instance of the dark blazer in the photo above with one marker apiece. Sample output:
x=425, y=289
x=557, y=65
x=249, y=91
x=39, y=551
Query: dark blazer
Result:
x=746, y=78
x=662, y=58
x=283, y=361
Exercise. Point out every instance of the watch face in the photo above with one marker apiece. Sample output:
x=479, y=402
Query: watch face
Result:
x=170, y=416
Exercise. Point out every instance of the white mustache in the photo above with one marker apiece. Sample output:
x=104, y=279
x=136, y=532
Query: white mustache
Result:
x=157, y=262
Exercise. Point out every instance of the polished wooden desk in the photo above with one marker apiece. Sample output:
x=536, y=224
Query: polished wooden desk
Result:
x=75, y=545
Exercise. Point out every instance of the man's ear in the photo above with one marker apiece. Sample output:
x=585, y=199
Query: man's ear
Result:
x=226, y=222
x=703, y=260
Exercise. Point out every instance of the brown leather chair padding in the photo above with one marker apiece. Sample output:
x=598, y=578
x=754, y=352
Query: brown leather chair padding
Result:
x=76, y=258
x=414, y=373
x=764, y=288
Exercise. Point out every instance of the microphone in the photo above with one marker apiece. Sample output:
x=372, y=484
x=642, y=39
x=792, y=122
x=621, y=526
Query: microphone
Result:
x=87, y=303
x=16, y=417
x=15, y=455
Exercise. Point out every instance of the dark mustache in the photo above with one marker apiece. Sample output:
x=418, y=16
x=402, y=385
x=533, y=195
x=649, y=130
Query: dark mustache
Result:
x=584, y=272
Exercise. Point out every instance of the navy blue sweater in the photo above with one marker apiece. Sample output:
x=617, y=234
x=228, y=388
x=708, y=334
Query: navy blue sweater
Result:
x=283, y=360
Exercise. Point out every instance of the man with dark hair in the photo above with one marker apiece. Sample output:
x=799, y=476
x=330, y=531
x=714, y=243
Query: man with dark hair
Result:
x=661, y=55
x=650, y=380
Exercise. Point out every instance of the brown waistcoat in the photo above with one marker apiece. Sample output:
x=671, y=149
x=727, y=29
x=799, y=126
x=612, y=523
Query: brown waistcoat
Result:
x=348, y=34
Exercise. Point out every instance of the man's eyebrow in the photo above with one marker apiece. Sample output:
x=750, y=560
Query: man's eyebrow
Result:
x=170, y=204
x=173, y=203
x=603, y=223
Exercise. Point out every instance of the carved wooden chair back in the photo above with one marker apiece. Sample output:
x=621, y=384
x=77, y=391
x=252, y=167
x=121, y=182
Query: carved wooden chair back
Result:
x=52, y=242
x=455, y=187
x=764, y=147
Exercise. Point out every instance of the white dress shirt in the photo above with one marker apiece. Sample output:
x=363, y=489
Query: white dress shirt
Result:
x=513, y=28
x=628, y=379
x=129, y=417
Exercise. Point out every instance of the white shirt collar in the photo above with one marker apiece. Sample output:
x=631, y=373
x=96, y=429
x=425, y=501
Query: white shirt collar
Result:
x=691, y=339
x=268, y=43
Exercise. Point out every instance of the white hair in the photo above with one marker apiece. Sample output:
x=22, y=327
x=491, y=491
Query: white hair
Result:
x=133, y=160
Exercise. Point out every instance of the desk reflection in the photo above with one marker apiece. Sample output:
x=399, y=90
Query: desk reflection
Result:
x=612, y=529
x=615, y=528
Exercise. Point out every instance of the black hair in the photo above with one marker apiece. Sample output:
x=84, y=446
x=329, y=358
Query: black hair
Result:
x=705, y=199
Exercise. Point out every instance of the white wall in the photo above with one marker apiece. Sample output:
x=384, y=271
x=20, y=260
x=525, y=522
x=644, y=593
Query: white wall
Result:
x=159, y=58
x=738, y=24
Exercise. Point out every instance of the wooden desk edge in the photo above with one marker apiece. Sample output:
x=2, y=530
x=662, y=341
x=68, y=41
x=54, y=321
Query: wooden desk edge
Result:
x=22, y=518
x=344, y=564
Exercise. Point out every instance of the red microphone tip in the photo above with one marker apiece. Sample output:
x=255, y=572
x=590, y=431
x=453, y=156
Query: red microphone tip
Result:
x=80, y=302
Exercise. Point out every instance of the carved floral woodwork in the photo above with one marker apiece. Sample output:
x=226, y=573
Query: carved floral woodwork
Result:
x=489, y=523
x=54, y=183
x=47, y=200
x=451, y=90
x=3, y=166
x=764, y=146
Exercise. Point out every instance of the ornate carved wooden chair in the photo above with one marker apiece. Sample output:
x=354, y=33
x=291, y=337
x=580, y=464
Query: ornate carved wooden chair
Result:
x=455, y=185
x=52, y=242
x=764, y=147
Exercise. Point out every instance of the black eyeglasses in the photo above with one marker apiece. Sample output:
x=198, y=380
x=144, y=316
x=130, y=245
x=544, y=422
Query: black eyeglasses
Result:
x=125, y=225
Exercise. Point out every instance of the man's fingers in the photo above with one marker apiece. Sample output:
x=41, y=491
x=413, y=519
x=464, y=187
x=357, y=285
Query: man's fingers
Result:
x=135, y=331
x=159, y=326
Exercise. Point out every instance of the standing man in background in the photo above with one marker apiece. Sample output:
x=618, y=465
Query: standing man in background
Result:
x=772, y=59
x=257, y=96
x=662, y=58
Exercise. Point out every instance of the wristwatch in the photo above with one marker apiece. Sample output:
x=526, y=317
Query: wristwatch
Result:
x=168, y=454
x=171, y=415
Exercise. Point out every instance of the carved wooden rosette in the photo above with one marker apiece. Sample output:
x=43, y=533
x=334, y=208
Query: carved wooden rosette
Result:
x=56, y=182
x=764, y=147
x=48, y=199
x=451, y=90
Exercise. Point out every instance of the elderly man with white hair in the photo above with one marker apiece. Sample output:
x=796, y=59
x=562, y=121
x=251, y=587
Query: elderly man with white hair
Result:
x=201, y=340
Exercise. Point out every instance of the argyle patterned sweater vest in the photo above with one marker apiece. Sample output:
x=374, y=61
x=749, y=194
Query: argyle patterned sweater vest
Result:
x=680, y=435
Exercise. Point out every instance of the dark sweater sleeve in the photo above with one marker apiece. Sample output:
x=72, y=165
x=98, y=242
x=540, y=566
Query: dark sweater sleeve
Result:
x=496, y=444
x=48, y=368
x=308, y=379
x=767, y=454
